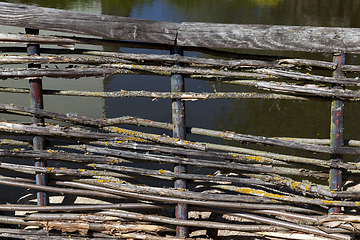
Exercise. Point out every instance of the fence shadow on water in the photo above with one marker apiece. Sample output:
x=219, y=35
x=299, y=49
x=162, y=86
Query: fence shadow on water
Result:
x=254, y=194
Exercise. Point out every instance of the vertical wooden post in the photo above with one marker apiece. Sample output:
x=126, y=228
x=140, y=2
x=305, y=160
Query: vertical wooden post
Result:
x=178, y=118
x=36, y=101
x=337, y=129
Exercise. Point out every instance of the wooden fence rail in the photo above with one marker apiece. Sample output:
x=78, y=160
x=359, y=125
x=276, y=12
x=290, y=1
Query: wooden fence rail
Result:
x=275, y=195
x=186, y=34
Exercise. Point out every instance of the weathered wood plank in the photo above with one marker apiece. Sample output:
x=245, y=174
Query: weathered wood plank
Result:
x=187, y=34
x=266, y=37
x=90, y=24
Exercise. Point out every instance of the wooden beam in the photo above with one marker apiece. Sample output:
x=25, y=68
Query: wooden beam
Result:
x=89, y=24
x=269, y=37
x=186, y=34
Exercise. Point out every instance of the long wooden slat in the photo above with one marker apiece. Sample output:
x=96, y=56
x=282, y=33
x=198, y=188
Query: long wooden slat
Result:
x=86, y=23
x=187, y=34
x=266, y=37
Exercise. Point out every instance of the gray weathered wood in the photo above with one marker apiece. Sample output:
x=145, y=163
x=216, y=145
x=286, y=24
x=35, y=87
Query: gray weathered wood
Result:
x=187, y=34
x=191, y=61
x=310, y=90
x=189, y=96
x=275, y=142
x=351, y=68
x=24, y=38
x=205, y=163
x=54, y=155
x=55, y=130
x=307, y=62
x=86, y=23
x=76, y=72
x=266, y=37
x=61, y=59
x=69, y=42
x=343, y=81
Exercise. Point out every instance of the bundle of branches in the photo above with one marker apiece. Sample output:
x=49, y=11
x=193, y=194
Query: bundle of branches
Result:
x=120, y=222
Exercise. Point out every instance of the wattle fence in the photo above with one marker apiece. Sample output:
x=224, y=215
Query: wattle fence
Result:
x=253, y=193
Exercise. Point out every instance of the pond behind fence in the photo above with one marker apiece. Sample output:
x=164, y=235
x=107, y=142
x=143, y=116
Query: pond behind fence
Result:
x=254, y=192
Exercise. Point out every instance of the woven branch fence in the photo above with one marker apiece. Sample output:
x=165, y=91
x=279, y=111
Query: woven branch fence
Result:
x=254, y=193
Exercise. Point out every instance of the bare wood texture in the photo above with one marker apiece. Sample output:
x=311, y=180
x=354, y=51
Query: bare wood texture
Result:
x=167, y=192
x=155, y=95
x=187, y=71
x=192, y=61
x=269, y=37
x=172, y=175
x=228, y=205
x=207, y=224
x=300, y=187
x=193, y=130
x=71, y=41
x=259, y=73
x=76, y=208
x=242, y=61
x=297, y=227
x=303, y=187
x=263, y=37
x=288, y=198
x=59, y=171
x=149, y=123
x=54, y=155
x=84, y=225
x=140, y=218
x=351, y=68
x=144, y=122
x=293, y=235
x=54, y=130
x=206, y=163
x=46, y=235
x=275, y=142
x=59, y=190
x=22, y=38
x=63, y=117
x=191, y=152
x=307, y=76
x=56, y=59
x=89, y=24
x=234, y=153
x=267, y=157
x=258, y=219
x=345, y=94
x=80, y=135
x=56, y=73
x=307, y=62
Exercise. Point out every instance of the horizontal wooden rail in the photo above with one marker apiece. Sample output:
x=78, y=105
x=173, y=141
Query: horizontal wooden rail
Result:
x=269, y=37
x=186, y=34
x=86, y=23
